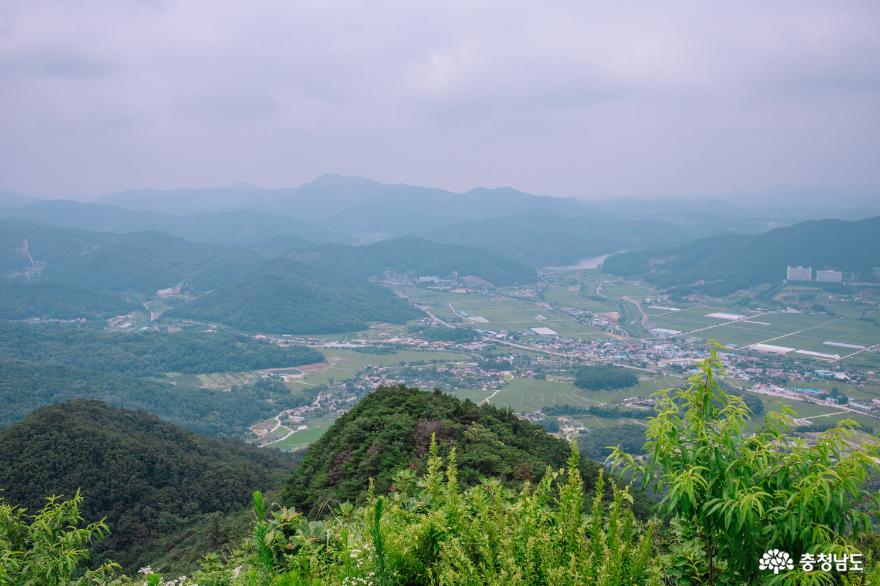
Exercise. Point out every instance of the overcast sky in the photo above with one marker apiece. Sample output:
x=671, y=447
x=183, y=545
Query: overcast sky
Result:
x=579, y=98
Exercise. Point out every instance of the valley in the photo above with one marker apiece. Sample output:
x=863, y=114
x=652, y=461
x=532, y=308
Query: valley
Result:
x=278, y=343
x=525, y=342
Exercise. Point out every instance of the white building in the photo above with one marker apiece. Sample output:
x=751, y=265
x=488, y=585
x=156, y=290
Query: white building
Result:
x=829, y=276
x=799, y=273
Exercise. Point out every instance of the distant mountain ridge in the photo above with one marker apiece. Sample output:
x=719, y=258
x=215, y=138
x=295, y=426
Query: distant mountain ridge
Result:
x=233, y=227
x=413, y=256
x=730, y=261
x=536, y=229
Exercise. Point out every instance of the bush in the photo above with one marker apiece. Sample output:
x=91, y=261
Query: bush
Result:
x=603, y=376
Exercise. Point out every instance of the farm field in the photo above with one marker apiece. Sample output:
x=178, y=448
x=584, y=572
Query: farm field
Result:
x=300, y=439
x=793, y=330
x=500, y=313
x=344, y=364
x=573, y=295
x=857, y=392
x=816, y=413
x=524, y=394
x=631, y=320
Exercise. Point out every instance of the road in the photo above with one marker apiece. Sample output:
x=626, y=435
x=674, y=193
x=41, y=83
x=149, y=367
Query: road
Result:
x=824, y=323
x=842, y=408
x=290, y=432
x=722, y=324
x=874, y=347
x=434, y=317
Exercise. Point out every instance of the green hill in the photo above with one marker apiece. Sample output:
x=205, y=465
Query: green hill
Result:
x=147, y=477
x=44, y=299
x=234, y=286
x=417, y=257
x=283, y=296
x=140, y=262
x=25, y=386
x=730, y=262
x=390, y=430
x=146, y=353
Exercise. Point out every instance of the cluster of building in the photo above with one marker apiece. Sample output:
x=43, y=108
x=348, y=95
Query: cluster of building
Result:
x=805, y=274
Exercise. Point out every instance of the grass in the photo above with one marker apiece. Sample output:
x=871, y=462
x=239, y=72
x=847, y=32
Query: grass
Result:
x=225, y=380
x=806, y=410
x=525, y=394
x=344, y=364
x=631, y=320
x=301, y=439
x=502, y=313
x=810, y=331
x=561, y=294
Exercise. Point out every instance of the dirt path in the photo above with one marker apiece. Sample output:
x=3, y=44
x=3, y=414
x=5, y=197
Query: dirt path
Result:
x=492, y=396
x=289, y=433
x=645, y=317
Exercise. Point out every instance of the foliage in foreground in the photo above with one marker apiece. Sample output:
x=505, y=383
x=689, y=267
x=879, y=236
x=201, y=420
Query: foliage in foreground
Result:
x=50, y=547
x=737, y=494
x=429, y=531
x=727, y=496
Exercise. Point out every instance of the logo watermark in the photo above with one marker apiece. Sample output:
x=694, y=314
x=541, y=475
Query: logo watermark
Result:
x=776, y=560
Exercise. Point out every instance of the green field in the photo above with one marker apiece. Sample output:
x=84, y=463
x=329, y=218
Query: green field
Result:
x=501, y=313
x=562, y=294
x=810, y=411
x=344, y=364
x=525, y=394
x=300, y=439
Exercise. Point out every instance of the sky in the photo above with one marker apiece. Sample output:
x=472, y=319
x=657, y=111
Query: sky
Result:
x=582, y=98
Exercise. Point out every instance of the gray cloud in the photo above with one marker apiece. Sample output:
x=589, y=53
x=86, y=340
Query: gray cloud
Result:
x=573, y=97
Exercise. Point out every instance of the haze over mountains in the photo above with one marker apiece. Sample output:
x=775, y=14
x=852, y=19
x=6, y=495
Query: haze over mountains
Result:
x=538, y=230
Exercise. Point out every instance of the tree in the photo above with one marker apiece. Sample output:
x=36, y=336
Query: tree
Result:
x=742, y=494
x=50, y=547
x=604, y=376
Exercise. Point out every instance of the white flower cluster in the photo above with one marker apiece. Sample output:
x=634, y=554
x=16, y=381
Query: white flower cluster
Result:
x=179, y=581
x=359, y=580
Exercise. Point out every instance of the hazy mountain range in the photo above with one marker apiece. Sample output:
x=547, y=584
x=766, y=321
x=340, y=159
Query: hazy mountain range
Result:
x=536, y=229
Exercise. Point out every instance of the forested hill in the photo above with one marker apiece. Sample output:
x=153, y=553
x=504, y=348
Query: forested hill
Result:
x=283, y=296
x=390, y=430
x=45, y=299
x=147, y=477
x=417, y=257
x=729, y=262
x=146, y=353
x=142, y=261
